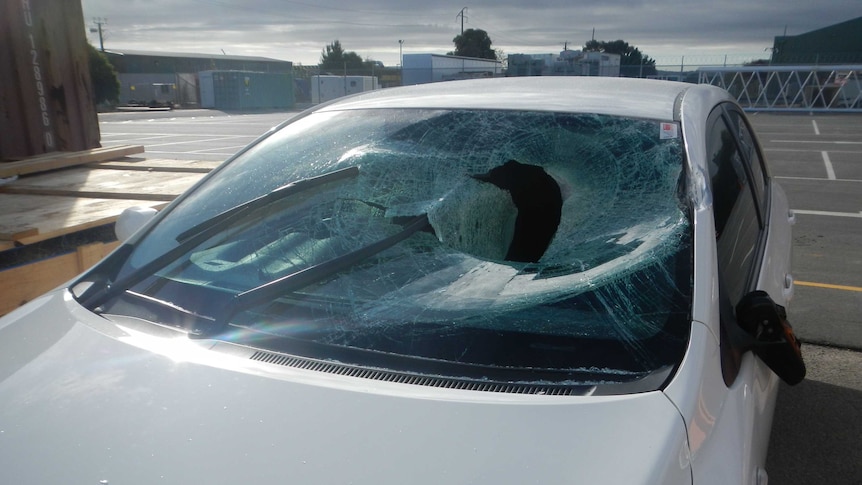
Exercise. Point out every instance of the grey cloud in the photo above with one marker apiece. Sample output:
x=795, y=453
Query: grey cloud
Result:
x=298, y=31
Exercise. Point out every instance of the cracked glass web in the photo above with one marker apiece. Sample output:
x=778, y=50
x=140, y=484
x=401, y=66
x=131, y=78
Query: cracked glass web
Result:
x=617, y=266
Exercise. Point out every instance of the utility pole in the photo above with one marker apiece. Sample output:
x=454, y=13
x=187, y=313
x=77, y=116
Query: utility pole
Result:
x=99, y=21
x=461, y=14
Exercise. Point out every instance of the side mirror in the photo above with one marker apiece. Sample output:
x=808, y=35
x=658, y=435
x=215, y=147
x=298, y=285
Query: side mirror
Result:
x=132, y=219
x=772, y=337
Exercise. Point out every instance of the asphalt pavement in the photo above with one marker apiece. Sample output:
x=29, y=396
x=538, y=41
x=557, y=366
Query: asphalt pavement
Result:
x=817, y=426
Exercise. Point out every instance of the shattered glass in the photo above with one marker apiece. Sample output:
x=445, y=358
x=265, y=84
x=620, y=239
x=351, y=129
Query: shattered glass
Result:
x=512, y=240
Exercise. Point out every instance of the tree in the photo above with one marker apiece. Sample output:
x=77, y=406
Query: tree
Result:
x=335, y=59
x=106, y=85
x=474, y=43
x=633, y=63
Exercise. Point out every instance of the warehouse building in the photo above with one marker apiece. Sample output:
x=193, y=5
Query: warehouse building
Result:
x=567, y=63
x=429, y=68
x=169, y=79
x=836, y=44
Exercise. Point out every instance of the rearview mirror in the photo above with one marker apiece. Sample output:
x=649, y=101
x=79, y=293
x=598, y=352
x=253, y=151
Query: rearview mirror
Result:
x=773, y=339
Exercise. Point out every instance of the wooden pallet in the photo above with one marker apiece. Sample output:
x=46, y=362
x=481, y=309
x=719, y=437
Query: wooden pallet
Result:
x=105, y=184
x=28, y=219
x=73, y=193
x=46, y=205
x=24, y=283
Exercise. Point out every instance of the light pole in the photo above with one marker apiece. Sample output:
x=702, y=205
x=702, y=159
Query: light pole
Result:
x=401, y=59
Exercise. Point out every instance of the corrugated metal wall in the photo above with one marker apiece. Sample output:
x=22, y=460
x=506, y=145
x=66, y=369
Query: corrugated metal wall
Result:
x=836, y=44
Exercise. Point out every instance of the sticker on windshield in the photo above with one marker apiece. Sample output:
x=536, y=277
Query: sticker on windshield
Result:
x=669, y=131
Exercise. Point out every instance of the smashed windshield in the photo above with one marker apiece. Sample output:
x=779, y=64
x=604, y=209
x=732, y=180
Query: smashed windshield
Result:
x=489, y=245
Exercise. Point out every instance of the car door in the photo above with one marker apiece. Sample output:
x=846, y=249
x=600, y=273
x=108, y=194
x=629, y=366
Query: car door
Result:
x=752, y=222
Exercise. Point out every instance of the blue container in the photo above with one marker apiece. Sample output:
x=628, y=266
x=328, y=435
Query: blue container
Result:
x=246, y=90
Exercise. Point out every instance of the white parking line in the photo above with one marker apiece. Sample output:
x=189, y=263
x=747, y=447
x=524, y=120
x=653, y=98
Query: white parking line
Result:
x=856, y=215
x=209, y=150
x=139, y=140
x=830, y=171
x=818, y=141
x=815, y=179
x=816, y=129
x=157, y=135
x=165, y=152
x=185, y=142
x=797, y=150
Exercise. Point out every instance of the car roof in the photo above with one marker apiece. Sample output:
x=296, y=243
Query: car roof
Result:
x=639, y=98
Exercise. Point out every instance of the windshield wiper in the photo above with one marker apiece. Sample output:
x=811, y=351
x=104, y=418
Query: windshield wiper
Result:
x=224, y=218
x=190, y=238
x=308, y=276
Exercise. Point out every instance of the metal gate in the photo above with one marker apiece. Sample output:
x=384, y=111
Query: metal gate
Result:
x=790, y=88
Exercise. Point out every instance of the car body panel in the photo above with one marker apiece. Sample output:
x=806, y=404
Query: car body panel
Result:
x=716, y=414
x=775, y=277
x=97, y=401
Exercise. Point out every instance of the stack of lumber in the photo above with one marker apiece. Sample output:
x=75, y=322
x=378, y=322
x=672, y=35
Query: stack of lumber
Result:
x=65, y=193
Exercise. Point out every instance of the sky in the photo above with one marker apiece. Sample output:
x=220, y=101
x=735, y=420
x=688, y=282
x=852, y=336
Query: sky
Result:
x=669, y=31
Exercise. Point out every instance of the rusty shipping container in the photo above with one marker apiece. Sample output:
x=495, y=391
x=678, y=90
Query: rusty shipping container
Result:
x=45, y=90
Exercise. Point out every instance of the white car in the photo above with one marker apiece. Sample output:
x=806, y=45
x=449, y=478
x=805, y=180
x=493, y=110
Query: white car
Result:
x=523, y=280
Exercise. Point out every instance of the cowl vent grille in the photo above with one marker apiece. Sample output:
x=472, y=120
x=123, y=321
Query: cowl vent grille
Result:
x=417, y=380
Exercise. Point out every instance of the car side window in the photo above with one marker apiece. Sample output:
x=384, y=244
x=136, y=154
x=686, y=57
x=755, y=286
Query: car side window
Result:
x=737, y=224
x=731, y=152
x=749, y=150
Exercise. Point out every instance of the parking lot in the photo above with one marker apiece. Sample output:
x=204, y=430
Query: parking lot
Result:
x=816, y=158
x=818, y=161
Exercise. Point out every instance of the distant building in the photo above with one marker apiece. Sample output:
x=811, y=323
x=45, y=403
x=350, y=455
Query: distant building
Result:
x=567, y=63
x=836, y=44
x=328, y=87
x=171, y=78
x=429, y=68
x=529, y=64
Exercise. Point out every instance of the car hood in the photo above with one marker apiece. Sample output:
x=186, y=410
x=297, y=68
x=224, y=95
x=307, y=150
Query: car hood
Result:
x=84, y=400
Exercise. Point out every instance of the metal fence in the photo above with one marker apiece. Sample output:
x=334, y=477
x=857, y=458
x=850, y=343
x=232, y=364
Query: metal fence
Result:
x=790, y=88
x=759, y=85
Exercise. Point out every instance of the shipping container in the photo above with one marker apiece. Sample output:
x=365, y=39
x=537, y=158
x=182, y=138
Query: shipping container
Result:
x=245, y=90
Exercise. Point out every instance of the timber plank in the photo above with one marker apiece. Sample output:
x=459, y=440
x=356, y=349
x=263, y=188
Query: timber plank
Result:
x=33, y=218
x=55, y=160
x=105, y=184
x=158, y=165
x=13, y=236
